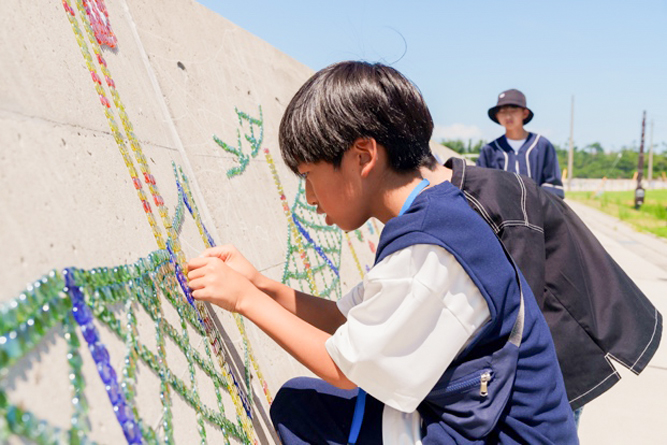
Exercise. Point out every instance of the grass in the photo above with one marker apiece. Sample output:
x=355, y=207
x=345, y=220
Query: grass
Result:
x=651, y=217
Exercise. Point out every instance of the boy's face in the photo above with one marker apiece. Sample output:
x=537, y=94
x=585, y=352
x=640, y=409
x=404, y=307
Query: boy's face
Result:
x=338, y=193
x=511, y=117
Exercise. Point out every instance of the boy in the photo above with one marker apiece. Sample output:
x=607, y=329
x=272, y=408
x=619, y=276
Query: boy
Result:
x=574, y=280
x=443, y=334
x=517, y=150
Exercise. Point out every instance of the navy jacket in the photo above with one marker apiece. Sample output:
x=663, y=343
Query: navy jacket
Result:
x=526, y=401
x=594, y=310
x=536, y=159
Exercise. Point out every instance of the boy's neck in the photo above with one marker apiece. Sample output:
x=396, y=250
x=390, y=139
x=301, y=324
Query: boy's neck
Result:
x=395, y=190
x=437, y=175
x=516, y=134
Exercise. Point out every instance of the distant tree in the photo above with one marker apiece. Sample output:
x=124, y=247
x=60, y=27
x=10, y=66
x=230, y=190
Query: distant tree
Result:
x=478, y=146
x=593, y=162
x=594, y=148
x=455, y=144
x=627, y=164
x=463, y=147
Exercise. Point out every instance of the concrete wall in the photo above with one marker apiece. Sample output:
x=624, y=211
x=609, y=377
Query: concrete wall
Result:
x=78, y=134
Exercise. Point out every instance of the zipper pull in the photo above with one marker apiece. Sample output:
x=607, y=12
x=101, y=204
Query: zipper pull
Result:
x=483, y=384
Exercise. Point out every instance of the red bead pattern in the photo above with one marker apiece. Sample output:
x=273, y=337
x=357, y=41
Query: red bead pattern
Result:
x=96, y=39
x=98, y=18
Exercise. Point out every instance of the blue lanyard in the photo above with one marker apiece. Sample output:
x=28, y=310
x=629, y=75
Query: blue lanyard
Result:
x=360, y=405
x=417, y=190
x=357, y=417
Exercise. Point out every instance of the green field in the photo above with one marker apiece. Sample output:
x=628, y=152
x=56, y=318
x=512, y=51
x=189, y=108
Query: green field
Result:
x=651, y=217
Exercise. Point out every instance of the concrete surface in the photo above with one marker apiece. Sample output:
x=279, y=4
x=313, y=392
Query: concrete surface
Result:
x=633, y=411
x=183, y=74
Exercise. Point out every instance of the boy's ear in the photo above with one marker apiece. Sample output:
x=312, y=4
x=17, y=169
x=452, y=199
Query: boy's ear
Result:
x=366, y=154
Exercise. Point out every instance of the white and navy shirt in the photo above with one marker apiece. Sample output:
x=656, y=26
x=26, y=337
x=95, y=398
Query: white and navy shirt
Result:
x=535, y=158
x=406, y=322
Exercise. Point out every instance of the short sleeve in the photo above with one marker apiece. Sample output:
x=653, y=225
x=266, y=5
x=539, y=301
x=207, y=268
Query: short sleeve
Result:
x=351, y=299
x=417, y=310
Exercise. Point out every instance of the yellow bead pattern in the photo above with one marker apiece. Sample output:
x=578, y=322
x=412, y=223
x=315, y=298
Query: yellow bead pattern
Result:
x=354, y=255
x=208, y=241
x=294, y=232
x=172, y=236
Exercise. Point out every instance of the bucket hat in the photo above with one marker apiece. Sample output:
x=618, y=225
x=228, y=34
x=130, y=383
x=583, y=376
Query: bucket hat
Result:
x=510, y=97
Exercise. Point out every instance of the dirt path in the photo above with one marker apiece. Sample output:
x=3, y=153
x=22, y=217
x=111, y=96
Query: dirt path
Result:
x=633, y=411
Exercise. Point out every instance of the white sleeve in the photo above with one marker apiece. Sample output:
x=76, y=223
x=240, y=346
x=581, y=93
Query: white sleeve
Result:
x=417, y=310
x=351, y=299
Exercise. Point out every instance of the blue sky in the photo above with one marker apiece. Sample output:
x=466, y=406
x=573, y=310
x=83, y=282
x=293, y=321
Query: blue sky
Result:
x=611, y=55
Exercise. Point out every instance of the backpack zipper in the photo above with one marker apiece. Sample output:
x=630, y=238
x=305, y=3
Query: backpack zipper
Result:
x=480, y=379
x=484, y=380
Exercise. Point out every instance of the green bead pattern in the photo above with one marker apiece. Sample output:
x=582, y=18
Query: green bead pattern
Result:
x=144, y=285
x=254, y=141
x=328, y=241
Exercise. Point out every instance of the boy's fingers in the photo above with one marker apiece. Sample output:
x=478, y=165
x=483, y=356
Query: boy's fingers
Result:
x=223, y=252
x=199, y=267
x=196, y=263
x=199, y=295
x=211, y=251
x=192, y=283
x=195, y=273
x=196, y=283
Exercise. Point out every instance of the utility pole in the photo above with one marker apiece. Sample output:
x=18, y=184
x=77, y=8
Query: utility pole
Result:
x=650, y=157
x=639, y=191
x=570, y=154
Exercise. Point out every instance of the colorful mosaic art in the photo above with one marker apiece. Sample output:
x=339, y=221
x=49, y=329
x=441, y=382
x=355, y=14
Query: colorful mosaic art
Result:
x=98, y=17
x=313, y=248
x=322, y=246
x=84, y=300
x=254, y=141
x=77, y=298
x=82, y=304
x=172, y=244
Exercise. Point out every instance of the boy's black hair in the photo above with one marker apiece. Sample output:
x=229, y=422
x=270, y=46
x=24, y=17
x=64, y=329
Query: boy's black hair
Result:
x=350, y=100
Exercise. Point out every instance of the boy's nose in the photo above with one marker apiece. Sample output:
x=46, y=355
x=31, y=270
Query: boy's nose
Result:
x=310, y=196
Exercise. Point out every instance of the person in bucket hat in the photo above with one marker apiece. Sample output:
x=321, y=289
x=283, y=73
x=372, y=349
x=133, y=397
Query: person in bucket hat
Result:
x=518, y=150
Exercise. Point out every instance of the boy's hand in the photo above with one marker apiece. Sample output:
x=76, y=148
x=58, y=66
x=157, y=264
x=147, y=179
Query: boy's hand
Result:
x=234, y=259
x=214, y=281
